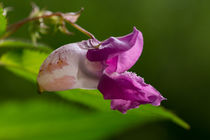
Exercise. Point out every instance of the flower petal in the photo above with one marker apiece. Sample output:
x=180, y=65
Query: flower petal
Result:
x=118, y=53
x=123, y=105
x=67, y=67
x=127, y=90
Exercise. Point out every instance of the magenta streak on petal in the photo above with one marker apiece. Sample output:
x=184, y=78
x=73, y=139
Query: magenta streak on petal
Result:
x=119, y=53
x=127, y=90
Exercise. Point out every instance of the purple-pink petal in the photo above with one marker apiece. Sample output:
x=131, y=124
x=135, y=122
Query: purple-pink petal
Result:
x=123, y=105
x=118, y=53
x=127, y=90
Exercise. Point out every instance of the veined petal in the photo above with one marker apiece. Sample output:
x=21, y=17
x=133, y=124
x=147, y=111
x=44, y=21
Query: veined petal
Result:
x=67, y=67
x=118, y=53
x=127, y=90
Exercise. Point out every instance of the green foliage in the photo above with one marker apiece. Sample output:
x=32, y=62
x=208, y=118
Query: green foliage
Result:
x=90, y=117
x=3, y=22
x=23, y=58
x=49, y=120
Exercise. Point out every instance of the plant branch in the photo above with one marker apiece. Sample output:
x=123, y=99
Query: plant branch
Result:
x=14, y=27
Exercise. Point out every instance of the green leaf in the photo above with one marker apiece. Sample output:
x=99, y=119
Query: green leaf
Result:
x=22, y=58
x=50, y=120
x=45, y=120
x=94, y=99
x=13, y=45
x=3, y=22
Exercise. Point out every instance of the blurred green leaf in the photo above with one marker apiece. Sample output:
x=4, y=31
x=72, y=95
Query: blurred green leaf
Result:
x=3, y=22
x=94, y=99
x=48, y=120
x=43, y=120
x=22, y=58
x=13, y=45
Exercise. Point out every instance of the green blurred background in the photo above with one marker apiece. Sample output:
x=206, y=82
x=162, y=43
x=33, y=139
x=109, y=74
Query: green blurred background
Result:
x=175, y=59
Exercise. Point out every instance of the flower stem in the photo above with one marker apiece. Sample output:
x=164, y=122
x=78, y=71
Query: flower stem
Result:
x=14, y=27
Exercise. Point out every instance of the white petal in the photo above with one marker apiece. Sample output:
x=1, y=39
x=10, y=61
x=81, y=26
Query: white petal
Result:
x=67, y=67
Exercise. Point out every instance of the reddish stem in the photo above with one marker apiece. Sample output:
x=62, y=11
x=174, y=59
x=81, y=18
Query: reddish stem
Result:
x=14, y=27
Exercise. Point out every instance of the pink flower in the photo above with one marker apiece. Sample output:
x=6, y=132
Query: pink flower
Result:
x=103, y=65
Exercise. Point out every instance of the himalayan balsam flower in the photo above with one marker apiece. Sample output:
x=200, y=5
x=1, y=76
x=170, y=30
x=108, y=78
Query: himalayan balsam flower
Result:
x=92, y=64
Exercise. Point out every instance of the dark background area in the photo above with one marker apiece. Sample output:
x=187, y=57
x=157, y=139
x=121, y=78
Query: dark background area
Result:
x=175, y=59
